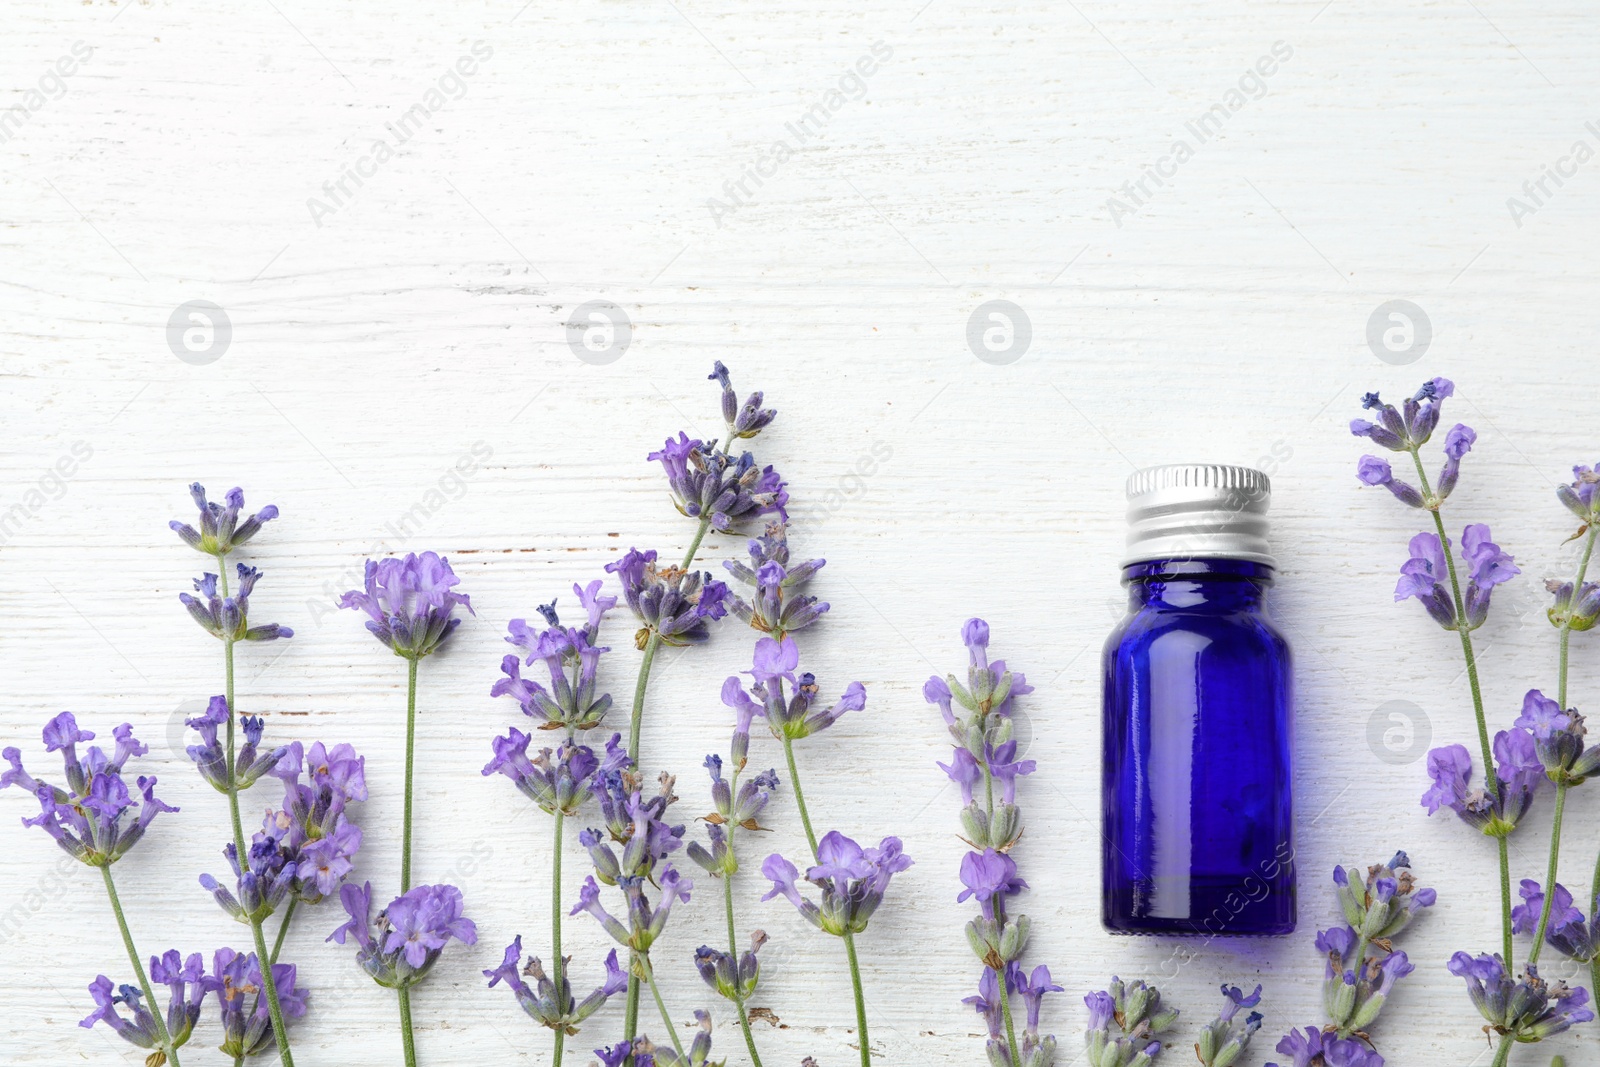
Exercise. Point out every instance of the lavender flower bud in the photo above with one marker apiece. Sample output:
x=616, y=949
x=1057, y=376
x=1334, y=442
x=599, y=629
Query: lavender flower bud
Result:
x=1574, y=608
x=1581, y=497
x=1374, y=471
x=220, y=529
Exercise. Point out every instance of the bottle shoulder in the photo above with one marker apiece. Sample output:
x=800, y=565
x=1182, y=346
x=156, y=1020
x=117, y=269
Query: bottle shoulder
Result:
x=1144, y=625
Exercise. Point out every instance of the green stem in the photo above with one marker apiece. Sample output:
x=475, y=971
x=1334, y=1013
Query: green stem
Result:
x=635, y=721
x=280, y=1031
x=666, y=1019
x=1490, y=776
x=1550, y=876
x=138, y=968
x=558, y=966
x=411, y=744
x=283, y=929
x=1503, y=1053
x=405, y=1027
x=849, y=938
x=861, y=1001
x=733, y=941
x=1566, y=629
x=799, y=794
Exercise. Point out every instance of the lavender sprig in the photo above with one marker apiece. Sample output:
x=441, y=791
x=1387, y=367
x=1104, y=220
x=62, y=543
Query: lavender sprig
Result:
x=260, y=867
x=94, y=821
x=1139, y=1017
x=985, y=753
x=410, y=604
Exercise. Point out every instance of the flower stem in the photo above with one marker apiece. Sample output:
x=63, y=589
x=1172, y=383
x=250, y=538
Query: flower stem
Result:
x=733, y=943
x=861, y=1001
x=634, y=722
x=799, y=794
x=1566, y=628
x=274, y=1010
x=666, y=1019
x=558, y=966
x=849, y=938
x=138, y=969
x=405, y=1026
x=411, y=739
x=1503, y=1053
x=1490, y=776
x=1550, y=877
x=283, y=929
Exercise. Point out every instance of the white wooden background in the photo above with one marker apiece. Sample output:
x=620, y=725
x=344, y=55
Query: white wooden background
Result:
x=1224, y=319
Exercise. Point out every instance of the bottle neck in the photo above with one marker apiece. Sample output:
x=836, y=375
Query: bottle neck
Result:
x=1207, y=584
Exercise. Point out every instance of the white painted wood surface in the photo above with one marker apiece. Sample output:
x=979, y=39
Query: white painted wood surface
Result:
x=1225, y=318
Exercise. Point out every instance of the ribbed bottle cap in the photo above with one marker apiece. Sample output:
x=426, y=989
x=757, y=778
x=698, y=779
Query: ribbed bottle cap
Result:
x=1198, y=511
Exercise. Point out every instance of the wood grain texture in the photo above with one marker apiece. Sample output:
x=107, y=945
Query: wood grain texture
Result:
x=1223, y=320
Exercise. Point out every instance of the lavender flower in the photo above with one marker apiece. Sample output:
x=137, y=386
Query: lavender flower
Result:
x=774, y=606
x=220, y=529
x=646, y=1054
x=645, y=922
x=261, y=883
x=1314, y=1048
x=717, y=488
x=404, y=941
x=742, y=811
x=187, y=984
x=674, y=604
x=250, y=763
x=744, y=420
x=773, y=663
x=1139, y=1016
x=551, y=1002
x=313, y=828
x=1573, y=606
x=228, y=616
x=561, y=784
x=1387, y=902
x=95, y=819
x=1424, y=575
x=1569, y=932
x=1519, y=774
x=1374, y=471
x=1528, y=1009
x=1558, y=739
x=852, y=879
x=1407, y=428
x=239, y=984
x=733, y=979
x=1224, y=1039
x=572, y=660
x=409, y=602
x=1457, y=443
x=1581, y=497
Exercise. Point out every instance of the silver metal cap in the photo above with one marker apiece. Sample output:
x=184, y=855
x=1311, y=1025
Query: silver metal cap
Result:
x=1198, y=511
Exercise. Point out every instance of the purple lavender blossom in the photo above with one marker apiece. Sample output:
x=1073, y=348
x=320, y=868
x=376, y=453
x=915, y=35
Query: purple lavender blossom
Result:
x=1313, y=1048
x=1487, y=566
x=220, y=529
x=1407, y=428
x=744, y=420
x=1423, y=576
x=1569, y=932
x=1574, y=606
x=570, y=657
x=852, y=879
x=1581, y=497
x=793, y=717
x=1527, y=1009
x=1224, y=1039
x=1139, y=1018
x=187, y=984
x=674, y=604
x=313, y=828
x=228, y=617
x=732, y=979
x=409, y=602
x=775, y=606
x=1558, y=739
x=645, y=921
x=1457, y=443
x=238, y=982
x=717, y=488
x=1388, y=900
x=261, y=883
x=400, y=946
x=742, y=810
x=551, y=1003
x=1374, y=471
x=990, y=877
x=210, y=756
x=559, y=784
x=642, y=1052
x=96, y=819
x=1519, y=774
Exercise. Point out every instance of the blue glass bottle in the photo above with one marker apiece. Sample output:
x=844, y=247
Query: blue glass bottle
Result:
x=1196, y=799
